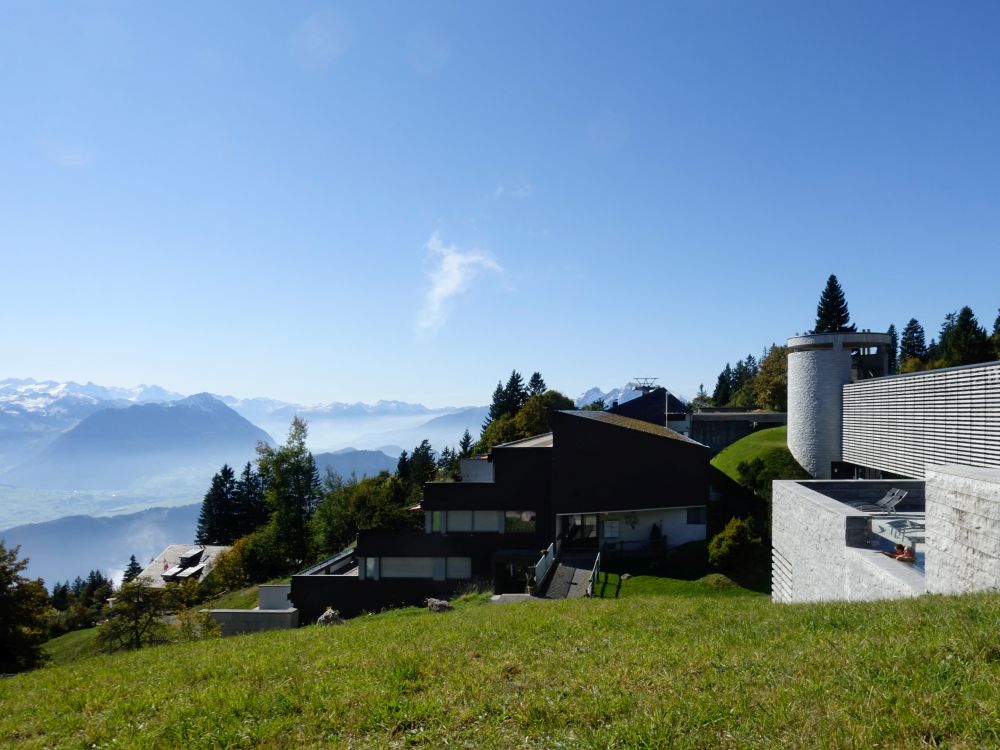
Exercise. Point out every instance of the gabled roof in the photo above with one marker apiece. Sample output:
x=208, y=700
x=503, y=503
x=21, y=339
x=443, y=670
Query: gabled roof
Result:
x=632, y=424
x=168, y=563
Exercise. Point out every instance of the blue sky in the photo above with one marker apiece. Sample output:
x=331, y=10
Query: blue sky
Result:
x=322, y=202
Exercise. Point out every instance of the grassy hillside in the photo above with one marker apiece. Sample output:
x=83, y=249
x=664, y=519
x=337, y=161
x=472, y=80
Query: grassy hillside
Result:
x=72, y=647
x=754, y=445
x=642, y=671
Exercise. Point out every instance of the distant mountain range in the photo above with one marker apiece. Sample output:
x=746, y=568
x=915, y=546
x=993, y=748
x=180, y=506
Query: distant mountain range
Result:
x=627, y=392
x=146, y=442
x=359, y=464
x=143, y=445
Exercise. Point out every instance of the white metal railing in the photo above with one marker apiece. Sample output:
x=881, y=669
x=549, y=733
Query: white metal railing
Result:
x=545, y=563
x=593, y=575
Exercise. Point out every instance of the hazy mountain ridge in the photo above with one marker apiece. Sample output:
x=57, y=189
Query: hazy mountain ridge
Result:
x=185, y=440
x=72, y=546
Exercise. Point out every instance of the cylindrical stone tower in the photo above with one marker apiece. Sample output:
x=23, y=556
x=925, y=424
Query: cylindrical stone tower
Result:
x=819, y=366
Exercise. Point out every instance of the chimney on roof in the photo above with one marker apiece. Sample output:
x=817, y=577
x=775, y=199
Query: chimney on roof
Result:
x=614, y=403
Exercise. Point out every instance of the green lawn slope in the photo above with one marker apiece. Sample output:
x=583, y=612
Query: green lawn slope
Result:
x=71, y=647
x=642, y=671
x=755, y=445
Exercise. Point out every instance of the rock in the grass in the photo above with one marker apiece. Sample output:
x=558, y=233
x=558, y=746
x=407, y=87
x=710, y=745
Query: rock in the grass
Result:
x=438, y=605
x=330, y=617
x=626, y=576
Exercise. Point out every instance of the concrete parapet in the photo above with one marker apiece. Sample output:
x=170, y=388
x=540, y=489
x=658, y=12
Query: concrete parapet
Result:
x=963, y=529
x=819, y=552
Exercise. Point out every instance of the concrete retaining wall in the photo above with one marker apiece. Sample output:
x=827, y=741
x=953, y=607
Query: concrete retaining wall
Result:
x=236, y=621
x=274, y=596
x=963, y=529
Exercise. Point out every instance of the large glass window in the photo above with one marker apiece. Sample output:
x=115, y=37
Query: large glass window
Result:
x=486, y=520
x=519, y=521
x=459, y=568
x=459, y=520
x=407, y=567
x=611, y=529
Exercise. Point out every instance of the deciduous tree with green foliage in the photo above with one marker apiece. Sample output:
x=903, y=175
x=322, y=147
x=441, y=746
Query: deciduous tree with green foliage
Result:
x=23, y=607
x=292, y=489
x=832, y=315
x=736, y=546
x=347, y=507
x=135, y=618
x=770, y=384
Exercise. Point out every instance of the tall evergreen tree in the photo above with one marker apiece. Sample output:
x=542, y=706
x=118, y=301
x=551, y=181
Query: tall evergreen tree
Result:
x=514, y=393
x=292, y=489
x=536, y=386
x=465, y=445
x=893, y=349
x=963, y=340
x=23, y=604
x=497, y=406
x=723, y=387
x=996, y=336
x=832, y=315
x=216, y=520
x=249, y=507
x=913, y=344
x=132, y=570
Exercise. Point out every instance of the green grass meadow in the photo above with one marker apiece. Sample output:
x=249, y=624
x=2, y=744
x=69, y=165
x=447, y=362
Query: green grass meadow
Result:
x=754, y=445
x=669, y=664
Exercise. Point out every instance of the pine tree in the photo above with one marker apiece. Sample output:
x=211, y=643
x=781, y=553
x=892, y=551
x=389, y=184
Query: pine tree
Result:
x=963, y=341
x=536, y=386
x=893, y=350
x=701, y=399
x=514, y=393
x=496, y=406
x=913, y=344
x=23, y=604
x=216, y=522
x=465, y=445
x=132, y=571
x=249, y=507
x=723, y=387
x=996, y=336
x=832, y=315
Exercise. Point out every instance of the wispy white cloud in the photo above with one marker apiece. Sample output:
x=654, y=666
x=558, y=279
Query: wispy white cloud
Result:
x=321, y=39
x=426, y=52
x=452, y=273
x=521, y=189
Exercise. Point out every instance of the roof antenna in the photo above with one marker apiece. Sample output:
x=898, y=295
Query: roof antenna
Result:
x=644, y=384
